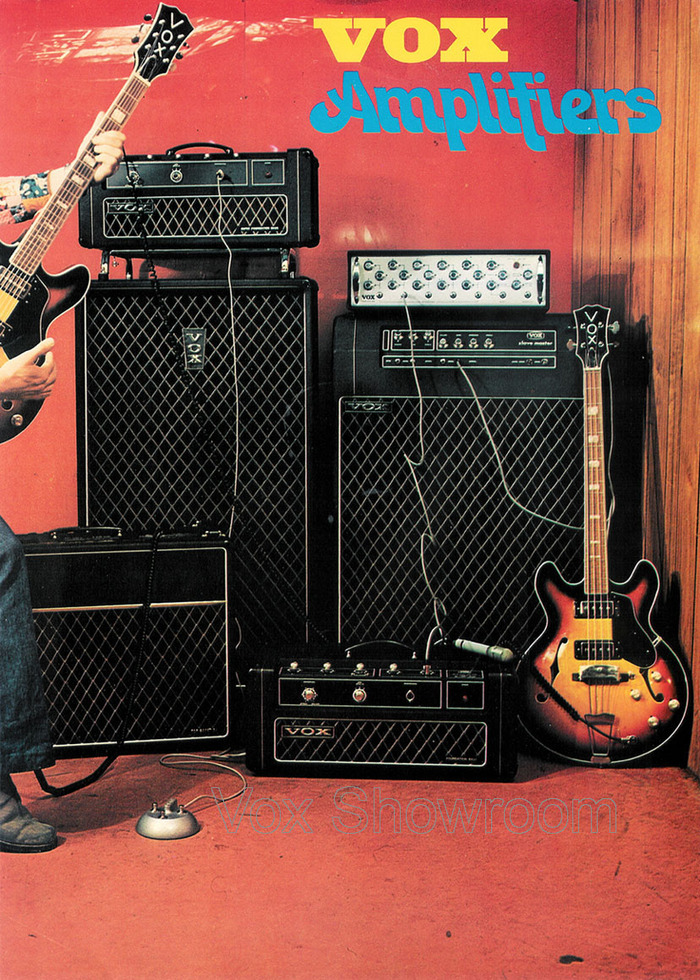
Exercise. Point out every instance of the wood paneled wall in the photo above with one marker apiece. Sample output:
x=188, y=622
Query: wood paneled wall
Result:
x=636, y=249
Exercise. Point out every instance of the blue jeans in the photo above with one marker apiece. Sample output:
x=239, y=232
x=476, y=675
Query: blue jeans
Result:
x=25, y=736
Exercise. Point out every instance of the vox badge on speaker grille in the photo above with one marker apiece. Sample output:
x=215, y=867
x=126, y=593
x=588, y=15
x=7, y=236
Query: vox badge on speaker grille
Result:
x=309, y=731
x=193, y=340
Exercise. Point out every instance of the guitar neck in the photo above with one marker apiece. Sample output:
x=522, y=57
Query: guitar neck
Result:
x=596, y=581
x=28, y=255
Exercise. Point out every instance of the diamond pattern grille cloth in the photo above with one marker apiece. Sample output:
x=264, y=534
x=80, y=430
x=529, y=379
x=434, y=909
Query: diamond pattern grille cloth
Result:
x=182, y=687
x=161, y=444
x=483, y=549
x=202, y=217
x=384, y=742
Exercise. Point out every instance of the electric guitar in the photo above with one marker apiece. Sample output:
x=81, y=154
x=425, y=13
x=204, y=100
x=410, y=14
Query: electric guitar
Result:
x=30, y=298
x=599, y=686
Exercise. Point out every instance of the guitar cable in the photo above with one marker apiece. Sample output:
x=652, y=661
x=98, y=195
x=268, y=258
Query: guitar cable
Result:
x=114, y=753
x=256, y=551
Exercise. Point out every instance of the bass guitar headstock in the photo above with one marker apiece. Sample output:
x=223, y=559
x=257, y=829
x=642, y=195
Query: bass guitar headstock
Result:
x=163, y=42
x=593, y=330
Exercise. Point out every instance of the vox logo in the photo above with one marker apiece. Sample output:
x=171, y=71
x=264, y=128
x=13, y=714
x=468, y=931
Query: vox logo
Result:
x=412, y=40
x=308, y=731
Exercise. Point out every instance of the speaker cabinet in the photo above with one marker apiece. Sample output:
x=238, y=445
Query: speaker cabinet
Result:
x=195, y=409
x=458, y=479
x=133, y=640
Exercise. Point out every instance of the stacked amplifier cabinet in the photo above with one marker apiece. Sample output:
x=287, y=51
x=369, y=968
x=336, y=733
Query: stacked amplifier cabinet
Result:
x=196, y=394
x=134, y=639
x=184, y=201
x=195, y=409
x=382, y=717
x=460, y=470
x=459, y=464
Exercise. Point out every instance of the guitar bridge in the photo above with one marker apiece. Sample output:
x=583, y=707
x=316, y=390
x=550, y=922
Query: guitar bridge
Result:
x=602, y=674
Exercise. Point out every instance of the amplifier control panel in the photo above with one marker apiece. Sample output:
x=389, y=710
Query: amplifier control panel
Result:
x=387, y=685
x=431, y=347
x=479, y=279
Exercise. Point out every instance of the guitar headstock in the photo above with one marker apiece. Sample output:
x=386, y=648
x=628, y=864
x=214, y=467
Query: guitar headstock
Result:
x=592, y=334
x=161, y=45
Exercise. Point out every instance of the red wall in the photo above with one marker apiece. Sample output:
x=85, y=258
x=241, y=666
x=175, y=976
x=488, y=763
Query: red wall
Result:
x=253, y=73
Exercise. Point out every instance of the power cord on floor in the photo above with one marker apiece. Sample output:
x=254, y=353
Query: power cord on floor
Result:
x=194, y=763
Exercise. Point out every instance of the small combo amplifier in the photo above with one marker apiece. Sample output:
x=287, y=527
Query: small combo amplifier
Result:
x=383, y=718
x=133, y=639
x=208, y=201
x=475, y=278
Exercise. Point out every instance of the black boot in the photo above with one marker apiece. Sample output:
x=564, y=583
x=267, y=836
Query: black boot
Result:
x=20, y=833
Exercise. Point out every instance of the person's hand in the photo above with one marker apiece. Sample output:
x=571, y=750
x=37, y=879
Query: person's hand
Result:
x=22, y=377
x=109, y=152
x=107, y=148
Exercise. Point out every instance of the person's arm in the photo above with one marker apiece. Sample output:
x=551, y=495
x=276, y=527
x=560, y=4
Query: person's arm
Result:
x=32, y=374
x=22, y=197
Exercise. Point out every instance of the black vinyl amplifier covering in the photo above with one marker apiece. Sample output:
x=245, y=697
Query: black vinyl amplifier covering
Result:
x=381, y=718
x=177, y=201
x=102, y=633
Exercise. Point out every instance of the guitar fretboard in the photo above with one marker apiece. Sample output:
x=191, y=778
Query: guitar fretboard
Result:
x=596, y=580
x=27, y=256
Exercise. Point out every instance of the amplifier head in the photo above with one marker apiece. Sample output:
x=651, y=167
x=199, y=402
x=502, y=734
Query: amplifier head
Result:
x=176, y=201
x=403, y=718
x=476, y=278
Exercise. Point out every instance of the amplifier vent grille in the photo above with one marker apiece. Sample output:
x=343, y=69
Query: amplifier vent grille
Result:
x=200, y=217
x=381, y=742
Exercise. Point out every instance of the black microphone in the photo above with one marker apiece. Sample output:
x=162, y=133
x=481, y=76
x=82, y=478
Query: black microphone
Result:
x=502, y=654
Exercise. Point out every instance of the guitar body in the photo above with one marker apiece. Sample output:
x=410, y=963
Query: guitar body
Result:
x=599, y=686
x=28, y=323
x=30, y=298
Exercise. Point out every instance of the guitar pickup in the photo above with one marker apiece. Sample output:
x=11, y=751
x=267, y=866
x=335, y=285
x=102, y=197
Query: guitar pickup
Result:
x=596, y=607
x=596, y=650
x=602, y=674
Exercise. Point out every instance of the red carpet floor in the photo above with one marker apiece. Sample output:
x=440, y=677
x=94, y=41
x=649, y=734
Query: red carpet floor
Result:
x=320, y=878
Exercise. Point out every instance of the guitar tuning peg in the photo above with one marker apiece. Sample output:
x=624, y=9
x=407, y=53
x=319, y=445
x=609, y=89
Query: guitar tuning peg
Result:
x=615, y=327
x=148, y=18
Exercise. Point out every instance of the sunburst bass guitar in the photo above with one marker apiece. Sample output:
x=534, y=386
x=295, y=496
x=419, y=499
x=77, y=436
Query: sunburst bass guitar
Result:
x=30, y=298
x=599, y=686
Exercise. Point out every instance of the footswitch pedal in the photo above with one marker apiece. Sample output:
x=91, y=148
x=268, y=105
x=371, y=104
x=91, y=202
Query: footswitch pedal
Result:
x=167, y=822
